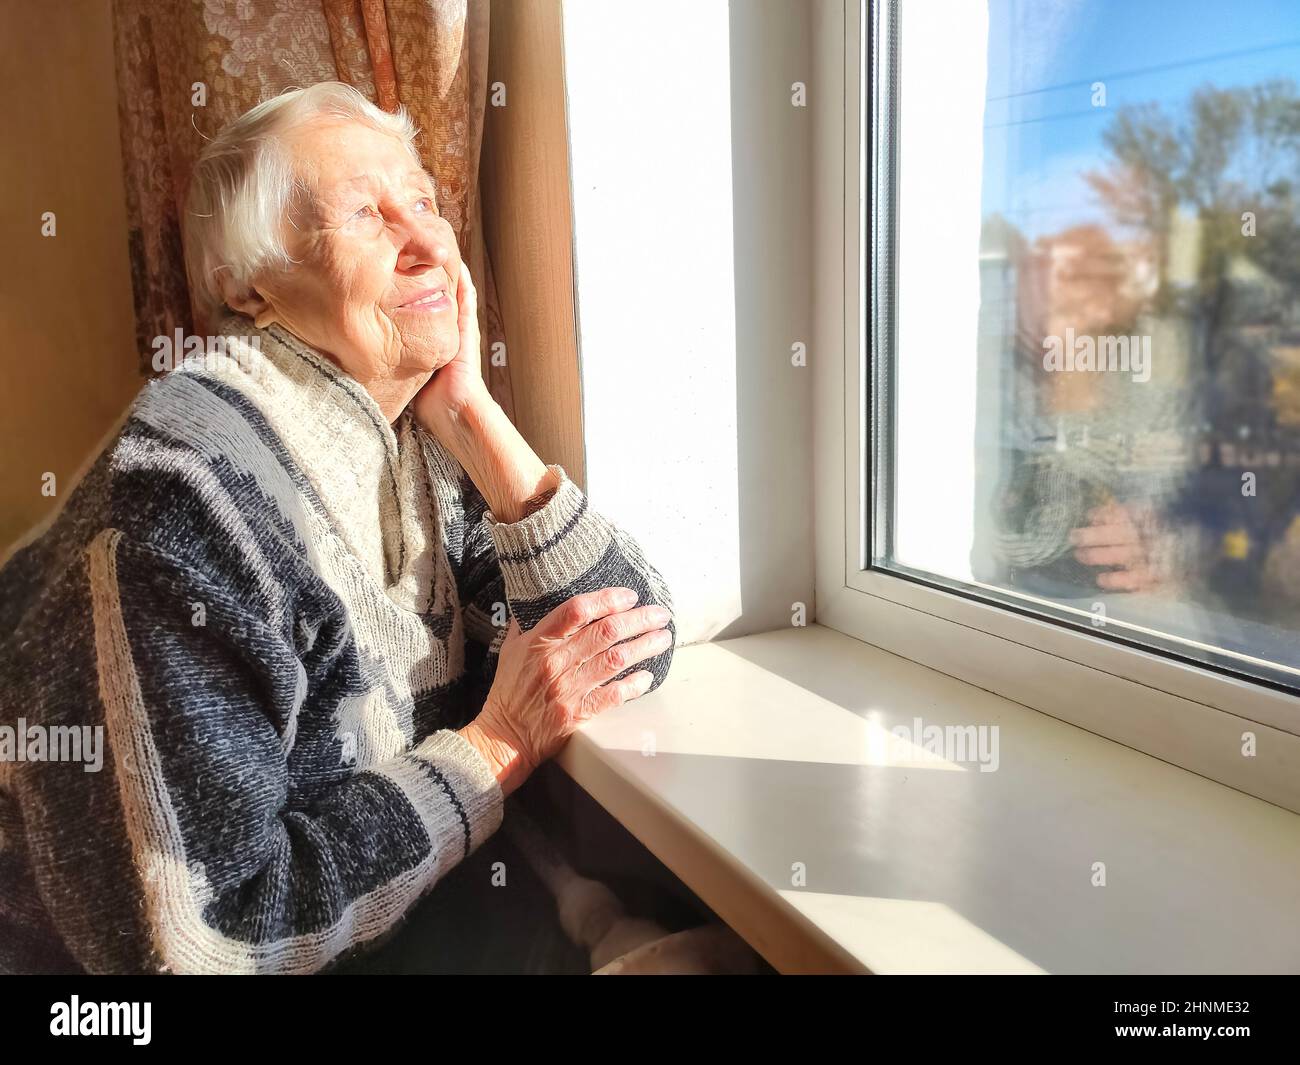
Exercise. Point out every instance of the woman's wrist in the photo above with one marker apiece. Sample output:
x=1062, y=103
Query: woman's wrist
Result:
x=444, y=420
x=509, y=767
x=499, y=461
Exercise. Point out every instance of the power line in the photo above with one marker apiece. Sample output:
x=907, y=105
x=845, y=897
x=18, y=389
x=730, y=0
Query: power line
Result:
x=1168, y=101
x=1148, y=70
x=1093, y=111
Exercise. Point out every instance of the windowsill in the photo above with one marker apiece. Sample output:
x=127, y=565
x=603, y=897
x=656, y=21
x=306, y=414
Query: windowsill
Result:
x=767, y=753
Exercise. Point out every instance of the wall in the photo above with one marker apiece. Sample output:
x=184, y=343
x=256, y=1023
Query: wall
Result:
x=772, y=183
x=67, y=343
x=692, y=212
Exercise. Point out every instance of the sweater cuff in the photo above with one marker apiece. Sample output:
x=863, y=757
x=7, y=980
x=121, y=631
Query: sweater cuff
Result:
x=454, y=789
x=551, y=548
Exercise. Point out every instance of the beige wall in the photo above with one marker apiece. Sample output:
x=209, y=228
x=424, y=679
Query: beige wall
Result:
x=67, y=358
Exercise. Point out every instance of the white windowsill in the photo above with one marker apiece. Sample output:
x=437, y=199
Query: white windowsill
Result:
x=767, y=752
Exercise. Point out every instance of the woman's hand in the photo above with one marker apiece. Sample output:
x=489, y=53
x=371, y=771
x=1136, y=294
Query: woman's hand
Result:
x=458, y=410
x=1127, y=539
x=552, y=678
x=459, y=383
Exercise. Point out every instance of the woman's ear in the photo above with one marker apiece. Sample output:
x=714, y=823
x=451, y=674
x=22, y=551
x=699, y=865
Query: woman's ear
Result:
x=248, y=300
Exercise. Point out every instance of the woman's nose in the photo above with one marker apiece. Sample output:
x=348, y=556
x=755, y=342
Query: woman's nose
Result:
x=424, y=245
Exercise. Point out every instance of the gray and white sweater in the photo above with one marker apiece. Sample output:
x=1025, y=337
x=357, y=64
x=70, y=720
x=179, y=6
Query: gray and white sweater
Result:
x=275, y=608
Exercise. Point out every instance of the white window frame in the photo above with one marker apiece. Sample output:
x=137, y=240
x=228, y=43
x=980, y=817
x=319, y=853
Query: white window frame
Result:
x=1190, y=716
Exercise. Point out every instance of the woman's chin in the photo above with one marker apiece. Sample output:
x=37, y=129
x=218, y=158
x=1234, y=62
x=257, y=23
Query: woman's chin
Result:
x=428, y=358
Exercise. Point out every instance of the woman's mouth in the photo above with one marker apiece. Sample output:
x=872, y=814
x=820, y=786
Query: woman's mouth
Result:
x=434, y=299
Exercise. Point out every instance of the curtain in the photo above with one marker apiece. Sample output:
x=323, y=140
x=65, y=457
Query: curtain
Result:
x=185, y=68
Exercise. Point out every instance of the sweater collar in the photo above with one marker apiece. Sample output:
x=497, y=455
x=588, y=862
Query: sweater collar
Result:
x=372, y=477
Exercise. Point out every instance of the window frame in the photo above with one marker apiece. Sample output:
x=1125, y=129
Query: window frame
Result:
x=1190, y=716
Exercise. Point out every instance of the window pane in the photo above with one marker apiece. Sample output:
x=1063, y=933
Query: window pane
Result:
x=1093, y=404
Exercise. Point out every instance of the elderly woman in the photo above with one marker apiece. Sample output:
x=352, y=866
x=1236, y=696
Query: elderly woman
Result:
x=325, y=603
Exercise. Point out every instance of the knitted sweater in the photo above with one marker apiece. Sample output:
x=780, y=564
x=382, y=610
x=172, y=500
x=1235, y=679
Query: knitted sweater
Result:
x=274, y=608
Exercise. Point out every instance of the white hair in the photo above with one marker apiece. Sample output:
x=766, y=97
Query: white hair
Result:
x=244, y=187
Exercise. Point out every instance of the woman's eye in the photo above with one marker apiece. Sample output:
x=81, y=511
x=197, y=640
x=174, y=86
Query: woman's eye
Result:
x=364, y=212
x=424, y=204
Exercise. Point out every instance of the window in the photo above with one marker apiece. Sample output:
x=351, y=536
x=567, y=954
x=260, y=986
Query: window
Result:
x=1092, y=407
x=1069, y=452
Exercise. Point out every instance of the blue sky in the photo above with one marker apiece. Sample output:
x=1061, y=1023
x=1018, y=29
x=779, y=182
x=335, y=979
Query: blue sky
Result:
x=1037, y=142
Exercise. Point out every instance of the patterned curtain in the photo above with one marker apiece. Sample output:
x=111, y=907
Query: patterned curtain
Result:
x=185, y=68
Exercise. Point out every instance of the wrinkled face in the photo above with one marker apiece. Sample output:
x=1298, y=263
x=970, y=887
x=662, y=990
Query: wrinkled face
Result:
x=374, y=282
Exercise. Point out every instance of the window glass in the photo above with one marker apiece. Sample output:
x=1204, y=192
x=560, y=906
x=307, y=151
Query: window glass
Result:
x=1091, y=408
